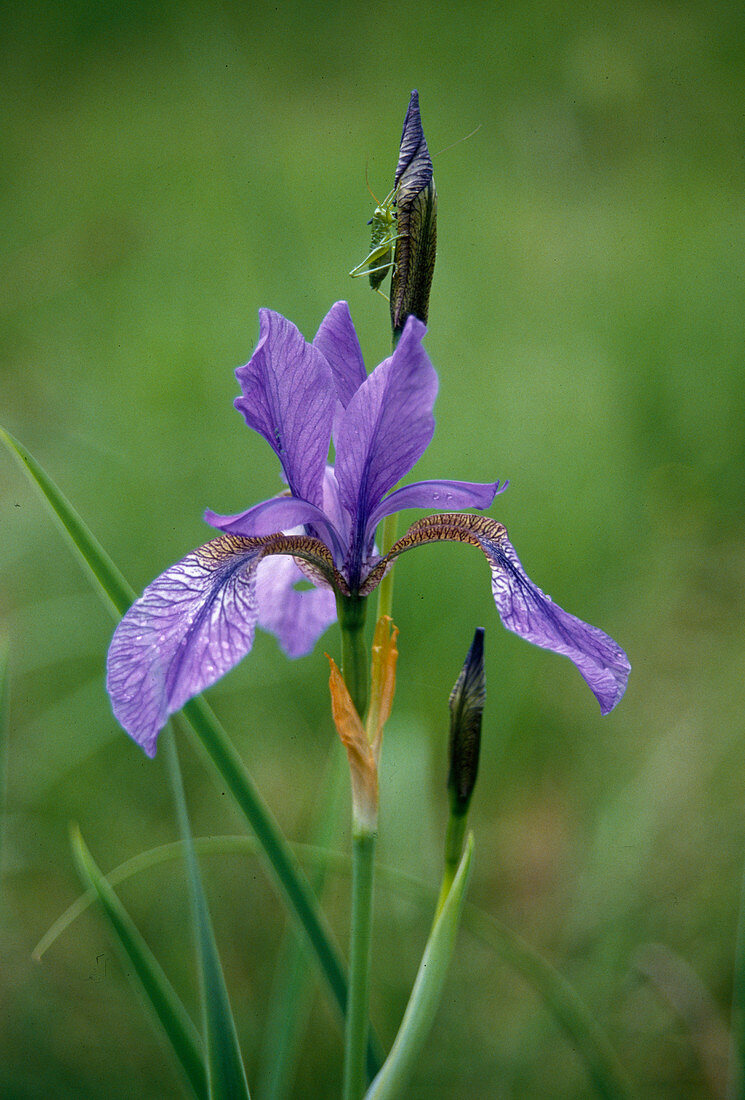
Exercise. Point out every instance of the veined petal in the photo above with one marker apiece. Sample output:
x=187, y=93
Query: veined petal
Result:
x=280, y=513
x=297, y=618
x=192, y=624
x=433, y=494
x=289, y=398
x=337, y=341
x=387, y=426
x=529, y=612
x=522, y=606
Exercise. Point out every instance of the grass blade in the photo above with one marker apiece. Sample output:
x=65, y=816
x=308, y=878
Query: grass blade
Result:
x=226, y=1074
x=293, y=987
x=159, y=992
x=427, y=992
x=4, y=730
x=559, y=997
x=118, y=596
x=97, y=564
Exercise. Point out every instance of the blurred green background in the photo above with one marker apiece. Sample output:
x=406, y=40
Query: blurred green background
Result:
x=166, y=170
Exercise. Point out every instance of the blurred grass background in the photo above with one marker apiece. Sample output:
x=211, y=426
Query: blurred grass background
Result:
x=166, y=170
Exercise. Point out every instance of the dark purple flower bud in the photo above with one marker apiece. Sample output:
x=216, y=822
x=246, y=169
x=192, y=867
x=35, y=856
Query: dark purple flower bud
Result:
x=466, y=708
x=416, y=228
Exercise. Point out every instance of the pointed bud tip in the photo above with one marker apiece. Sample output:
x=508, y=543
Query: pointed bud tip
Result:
x=416, y=226
x=466, y=708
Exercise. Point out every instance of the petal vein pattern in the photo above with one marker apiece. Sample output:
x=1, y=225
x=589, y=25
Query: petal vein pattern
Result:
x=523, y=607
x=387, y=426
x=192, y=624
x=289, y=399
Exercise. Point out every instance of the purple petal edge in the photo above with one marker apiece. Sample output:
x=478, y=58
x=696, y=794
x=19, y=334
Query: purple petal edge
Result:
x=526, y=610
x=289, y=397
x=337, y=341
x=387, y=425
x=189, y=627
x=442, y=495
x=296, y=617
x=280, y=513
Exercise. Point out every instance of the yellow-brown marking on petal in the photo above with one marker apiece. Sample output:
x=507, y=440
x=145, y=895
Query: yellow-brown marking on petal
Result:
x=315, y=554
x=440, y=527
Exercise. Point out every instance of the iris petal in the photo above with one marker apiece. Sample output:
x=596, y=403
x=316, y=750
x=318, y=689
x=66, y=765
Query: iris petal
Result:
x=297, y=617
x=192, y=624
x=433, y=494
x=337, y=341
x=279, y=514
x=526, y=610
x=387, y=426
x=523, y=607
x=289, y=398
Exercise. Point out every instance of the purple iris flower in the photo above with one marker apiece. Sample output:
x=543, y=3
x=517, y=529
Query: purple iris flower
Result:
x=197, y=620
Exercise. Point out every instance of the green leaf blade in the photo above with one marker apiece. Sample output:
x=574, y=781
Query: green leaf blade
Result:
x=118, y=596
x=225, y=1070
x=427, y=992
x=159, y=993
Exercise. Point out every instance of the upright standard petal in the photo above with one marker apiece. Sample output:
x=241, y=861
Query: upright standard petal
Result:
x=387, y=426
x=522, y=606
x=289, y=397
x=297, y=616
x=435, y=494
x=192, y=624
x=279, y=514
x=337, y=341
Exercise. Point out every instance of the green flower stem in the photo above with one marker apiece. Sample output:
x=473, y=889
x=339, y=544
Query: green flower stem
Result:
x=736, y=1071
x=363, y=853
x=355, y=670
x=385, y=588
x=563, y=1003
x=118, y=595
x=454, y=841
x=355, y=666
x=276, y=848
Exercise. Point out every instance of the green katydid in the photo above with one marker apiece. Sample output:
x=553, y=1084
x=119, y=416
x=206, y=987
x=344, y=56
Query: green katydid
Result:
x=383, y=235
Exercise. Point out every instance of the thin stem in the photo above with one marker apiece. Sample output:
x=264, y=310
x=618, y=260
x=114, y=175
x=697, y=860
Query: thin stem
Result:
x=736, y=1075
x=385, y=588
x=354, y=659
x=363, y=851
x=276, y=847
x=454, y=840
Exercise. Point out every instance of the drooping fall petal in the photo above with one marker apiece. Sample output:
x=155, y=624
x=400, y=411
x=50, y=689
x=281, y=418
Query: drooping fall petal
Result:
x=196, y=621
x=522, y=606
x=192, y=624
